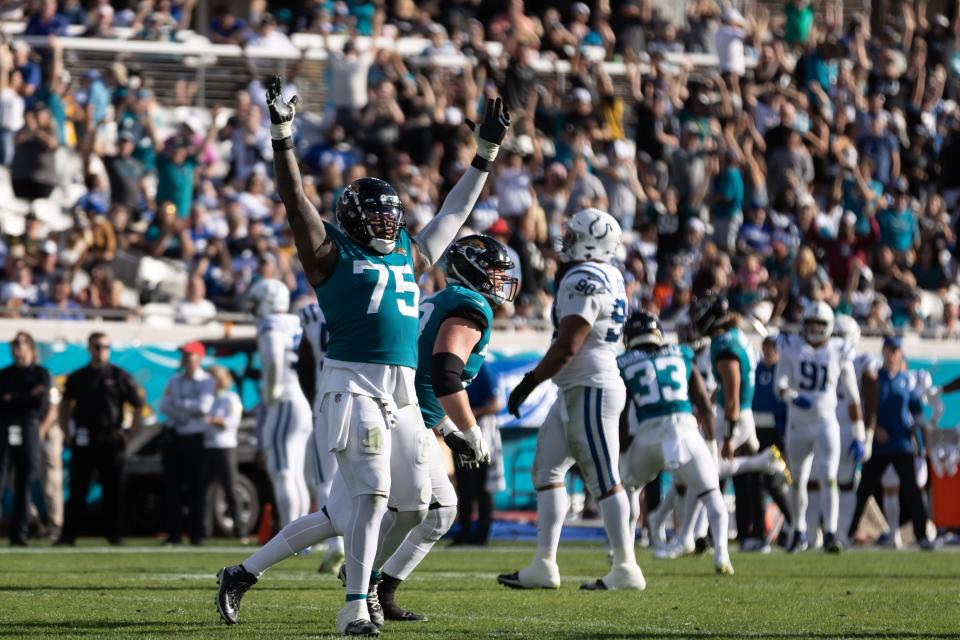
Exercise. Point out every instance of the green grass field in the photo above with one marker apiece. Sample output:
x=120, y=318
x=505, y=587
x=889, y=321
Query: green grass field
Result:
x=140, y=592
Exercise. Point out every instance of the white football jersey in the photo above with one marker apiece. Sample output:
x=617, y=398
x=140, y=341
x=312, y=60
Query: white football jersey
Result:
x=816, y=372
x=862, y=362
x=315, y=331
x=595, y=292
x=278, y=338
x=705, y=367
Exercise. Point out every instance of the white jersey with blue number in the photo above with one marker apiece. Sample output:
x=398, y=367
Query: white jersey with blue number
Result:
x=816, y=373
x=862, y=363
x=595, y=292
x=315, y=331
x=278, y=339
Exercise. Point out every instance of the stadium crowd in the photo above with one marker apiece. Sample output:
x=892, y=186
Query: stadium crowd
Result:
x=810, y=164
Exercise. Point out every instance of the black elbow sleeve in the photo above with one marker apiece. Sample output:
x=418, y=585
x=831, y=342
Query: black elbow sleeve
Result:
x=446, y=370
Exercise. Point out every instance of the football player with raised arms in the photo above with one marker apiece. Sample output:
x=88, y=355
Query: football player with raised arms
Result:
x=582, y=426
x=287, y=424
x=364, y=272
x=662, y=382
x=812, y=370
x=455, y=325
x=321, y=464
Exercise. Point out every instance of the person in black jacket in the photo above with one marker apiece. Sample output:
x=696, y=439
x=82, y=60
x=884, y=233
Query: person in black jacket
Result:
x=94, y=399
x=24, y=401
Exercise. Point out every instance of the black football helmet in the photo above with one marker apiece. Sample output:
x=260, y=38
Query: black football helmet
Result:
x=708, y=313
x=642, y=330
x=370, y=212
x=483, y=264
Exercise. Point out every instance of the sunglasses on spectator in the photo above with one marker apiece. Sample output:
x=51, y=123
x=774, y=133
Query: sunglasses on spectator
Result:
x=100, y=346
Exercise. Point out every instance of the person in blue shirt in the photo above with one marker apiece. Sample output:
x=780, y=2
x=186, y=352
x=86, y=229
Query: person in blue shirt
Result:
x=898, y=223
x=770, y=416
x=898, y=401
x=46, y=21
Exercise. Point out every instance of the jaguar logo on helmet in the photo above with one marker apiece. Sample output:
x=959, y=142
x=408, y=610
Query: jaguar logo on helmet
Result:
x=370, y=213
x=483, y=264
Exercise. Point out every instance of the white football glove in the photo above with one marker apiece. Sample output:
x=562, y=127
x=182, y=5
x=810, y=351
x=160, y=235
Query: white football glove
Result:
x=478, y=445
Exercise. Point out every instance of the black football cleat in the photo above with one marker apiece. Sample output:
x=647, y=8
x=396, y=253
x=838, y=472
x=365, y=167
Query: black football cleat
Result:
x=832, y=545
x=393, y=611
x=362, y=628
x=233, y=583
x=597, y=585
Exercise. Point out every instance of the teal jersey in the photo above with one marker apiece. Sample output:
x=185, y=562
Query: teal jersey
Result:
x=370, y=303
x=658, y=382
x=733, y=343
x=454, y=301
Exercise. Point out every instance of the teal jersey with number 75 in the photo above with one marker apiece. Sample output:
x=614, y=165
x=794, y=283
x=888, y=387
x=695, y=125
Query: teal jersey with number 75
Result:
x=658, y=381
x=371, y=303
x=454, y=301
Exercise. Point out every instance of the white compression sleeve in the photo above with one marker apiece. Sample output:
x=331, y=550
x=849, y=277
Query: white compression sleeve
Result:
x=360, y=541
x=299, y=534
x=393, y=531
x=419, y=542
x=437, y=235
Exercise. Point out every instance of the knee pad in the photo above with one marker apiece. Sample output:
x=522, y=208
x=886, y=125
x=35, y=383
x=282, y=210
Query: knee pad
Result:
x=438, y=522
x=409, y=519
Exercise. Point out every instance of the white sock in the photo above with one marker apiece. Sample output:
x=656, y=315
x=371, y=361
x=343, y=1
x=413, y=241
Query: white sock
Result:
x=334, y=547
x=848, y=503
x=360, y=541
x=419, y=541
x=891, y=507
x=633, y=498
x=814, y=506
x=552, y=506
x=615, y=510
x=800, y=501
x=299, y=534
x=393, y=529
x=284, y=496
x=719, y=521
x=830, y=507
x=688, y=520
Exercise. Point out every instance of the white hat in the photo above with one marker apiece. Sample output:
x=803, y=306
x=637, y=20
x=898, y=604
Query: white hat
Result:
x=696, y=224
x=849, y=217
x=49, y=247
x=581, y=8
x=581, y=95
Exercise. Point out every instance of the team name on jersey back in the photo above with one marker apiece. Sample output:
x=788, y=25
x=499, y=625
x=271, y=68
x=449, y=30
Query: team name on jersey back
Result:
x=452, y=301
x=370, y=303
x=657, y=381
x=594, y=291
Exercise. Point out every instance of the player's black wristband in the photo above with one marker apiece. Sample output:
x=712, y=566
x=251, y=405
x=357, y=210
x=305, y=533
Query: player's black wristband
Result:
x=481, y=164
x=282, y=144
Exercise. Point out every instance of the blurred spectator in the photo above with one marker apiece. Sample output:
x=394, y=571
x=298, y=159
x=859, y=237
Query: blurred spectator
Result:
x=25, y=389
x=586, y=189
x=726, y=201
x=60, y=305
x=474, y=485
x=187, y=402
x=33, y=171
x=195, y=308
x=226, y=27
x=92, y=409
x=898, y=222
x=12, y=105
x=220, y=444
x=45, y=21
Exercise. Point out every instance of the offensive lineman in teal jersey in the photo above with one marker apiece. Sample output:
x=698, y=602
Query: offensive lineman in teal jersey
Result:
x=734, y=362
x=364, y=274
x=455, y=328
x=661, y=384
